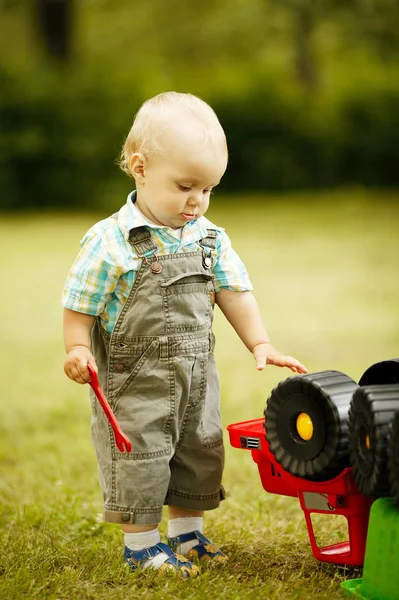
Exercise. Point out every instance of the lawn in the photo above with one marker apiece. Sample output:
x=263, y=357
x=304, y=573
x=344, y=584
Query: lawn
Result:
x=325, y=273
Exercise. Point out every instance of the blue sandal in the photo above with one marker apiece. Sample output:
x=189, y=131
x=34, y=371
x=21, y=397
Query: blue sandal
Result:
x=204, y=551
x=174, y=562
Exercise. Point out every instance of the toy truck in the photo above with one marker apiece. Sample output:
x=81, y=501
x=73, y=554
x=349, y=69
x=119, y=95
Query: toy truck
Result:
x=332, y=443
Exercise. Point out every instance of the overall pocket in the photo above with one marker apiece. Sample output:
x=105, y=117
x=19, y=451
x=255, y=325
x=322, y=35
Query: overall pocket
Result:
x=187, y=301
x=143, y=401
x=124, y=365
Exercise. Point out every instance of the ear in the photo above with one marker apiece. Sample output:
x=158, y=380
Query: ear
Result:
x=137, y=167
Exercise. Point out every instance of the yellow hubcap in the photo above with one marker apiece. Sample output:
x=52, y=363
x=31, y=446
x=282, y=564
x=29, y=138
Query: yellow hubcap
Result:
x=304, y=426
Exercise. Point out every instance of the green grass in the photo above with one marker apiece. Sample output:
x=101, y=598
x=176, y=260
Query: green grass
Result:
x=325, y=272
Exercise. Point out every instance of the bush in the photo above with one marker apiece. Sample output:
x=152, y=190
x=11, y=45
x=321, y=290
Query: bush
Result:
x=276, y=144
x=60, y=137
x=58, y=141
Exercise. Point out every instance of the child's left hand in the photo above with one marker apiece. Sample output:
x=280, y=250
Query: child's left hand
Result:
x=266, y=354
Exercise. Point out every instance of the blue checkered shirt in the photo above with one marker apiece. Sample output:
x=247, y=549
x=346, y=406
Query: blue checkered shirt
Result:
x=104, y=271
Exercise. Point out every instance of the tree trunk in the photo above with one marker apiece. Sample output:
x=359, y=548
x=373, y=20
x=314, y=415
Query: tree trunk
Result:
x=305, y=65
x=54, y=18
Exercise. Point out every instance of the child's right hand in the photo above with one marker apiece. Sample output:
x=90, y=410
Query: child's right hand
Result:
x=75, y=365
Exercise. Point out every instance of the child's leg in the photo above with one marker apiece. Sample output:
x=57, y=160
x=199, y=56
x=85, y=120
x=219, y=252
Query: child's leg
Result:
x=175, y=512
x=184, y=521
x=136, y=535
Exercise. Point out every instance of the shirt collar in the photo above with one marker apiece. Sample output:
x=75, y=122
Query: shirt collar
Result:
x=130, y=217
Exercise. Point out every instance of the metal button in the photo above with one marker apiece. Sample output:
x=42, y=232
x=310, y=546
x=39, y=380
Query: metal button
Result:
x=119, y=368
x=156, y=267
x=125, y=517
x=207, y=262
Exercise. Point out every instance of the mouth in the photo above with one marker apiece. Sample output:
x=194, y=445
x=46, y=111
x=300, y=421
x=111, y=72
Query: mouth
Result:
x=188, y=216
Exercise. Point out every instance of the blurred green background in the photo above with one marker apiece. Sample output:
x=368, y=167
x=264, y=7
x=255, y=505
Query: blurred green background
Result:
x=307, y=91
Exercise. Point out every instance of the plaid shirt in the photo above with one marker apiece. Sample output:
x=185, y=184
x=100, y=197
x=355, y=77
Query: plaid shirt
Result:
x=104, y=271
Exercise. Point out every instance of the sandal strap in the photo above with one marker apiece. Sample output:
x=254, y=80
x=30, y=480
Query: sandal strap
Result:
x=188, y=537
x=139, y=556
x=179, y=561
x=203, y=550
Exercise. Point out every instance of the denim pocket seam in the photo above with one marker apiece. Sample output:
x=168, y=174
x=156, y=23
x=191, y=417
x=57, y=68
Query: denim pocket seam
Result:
x=115, y=395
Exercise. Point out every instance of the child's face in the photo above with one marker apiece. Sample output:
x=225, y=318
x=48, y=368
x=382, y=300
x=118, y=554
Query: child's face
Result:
x=174, y=187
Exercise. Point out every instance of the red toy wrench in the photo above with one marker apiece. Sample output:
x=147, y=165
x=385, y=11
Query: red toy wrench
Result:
x=121, y=440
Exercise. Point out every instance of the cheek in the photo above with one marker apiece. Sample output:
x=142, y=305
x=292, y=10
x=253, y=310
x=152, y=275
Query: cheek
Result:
x=181, y=197
x=173, y=200
x=205, y=203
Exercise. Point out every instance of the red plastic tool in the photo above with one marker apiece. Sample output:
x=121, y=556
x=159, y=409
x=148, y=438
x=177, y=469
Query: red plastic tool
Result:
x=121, y=440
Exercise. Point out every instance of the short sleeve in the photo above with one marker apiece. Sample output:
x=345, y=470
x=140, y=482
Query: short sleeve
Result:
x=92, y=278
x=229, y=270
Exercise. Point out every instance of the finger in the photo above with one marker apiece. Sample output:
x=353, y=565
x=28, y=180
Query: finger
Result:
x=261, y=363
x=67, y=371
x=277, y=360
x=287, y=361
x=93, y=365
x=297, y=367
x=76, y=375
x=71, y=371
x=293, y=362
x=83, y=371
x=69, y=374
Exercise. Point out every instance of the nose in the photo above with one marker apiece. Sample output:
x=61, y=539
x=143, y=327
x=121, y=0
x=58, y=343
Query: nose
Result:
x=195, y=199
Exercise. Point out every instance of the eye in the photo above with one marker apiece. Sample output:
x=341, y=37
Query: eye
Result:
x=207, y=192
x=184, y=188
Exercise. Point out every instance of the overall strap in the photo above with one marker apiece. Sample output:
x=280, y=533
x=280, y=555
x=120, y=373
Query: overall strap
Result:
x=141, y=240
x=208, y=245
x=210, y=240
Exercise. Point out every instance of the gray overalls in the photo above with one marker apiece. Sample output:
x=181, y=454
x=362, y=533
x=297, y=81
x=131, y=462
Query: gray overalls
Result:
x=159, y=375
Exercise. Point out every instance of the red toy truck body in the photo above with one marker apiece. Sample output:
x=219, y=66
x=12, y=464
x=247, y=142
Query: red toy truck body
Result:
x=339, y=495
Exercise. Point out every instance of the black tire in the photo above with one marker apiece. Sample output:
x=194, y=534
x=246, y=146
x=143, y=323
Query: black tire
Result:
x=384, y=372
x=370, y=415
x=325, y=397
x=393, y=457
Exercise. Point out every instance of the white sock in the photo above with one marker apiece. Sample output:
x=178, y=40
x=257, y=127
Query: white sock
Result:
x=146, y=539
x=184, y=525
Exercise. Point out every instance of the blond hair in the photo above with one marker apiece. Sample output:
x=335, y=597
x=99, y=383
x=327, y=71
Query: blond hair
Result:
x=154, y=119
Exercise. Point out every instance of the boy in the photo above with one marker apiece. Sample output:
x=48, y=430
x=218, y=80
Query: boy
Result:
x=138, y=307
